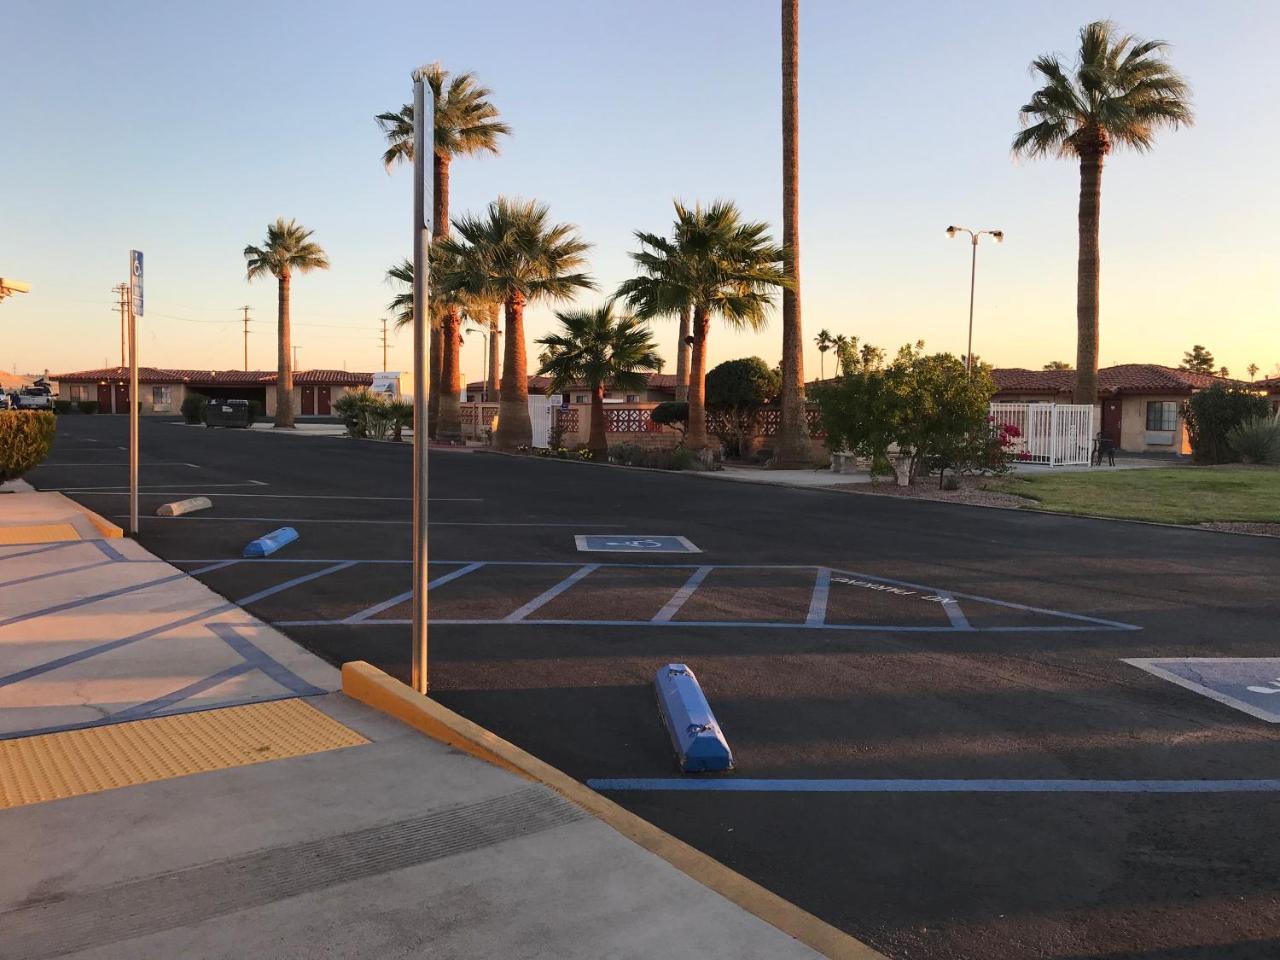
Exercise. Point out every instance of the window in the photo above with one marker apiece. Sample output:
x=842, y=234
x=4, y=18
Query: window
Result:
x=1162, y=414
x=161, y=397
x=633, y=398
x=79, y=392
x=580, y=398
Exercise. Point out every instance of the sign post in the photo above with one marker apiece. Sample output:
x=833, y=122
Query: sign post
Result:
x=135, y=311
x=423, y=121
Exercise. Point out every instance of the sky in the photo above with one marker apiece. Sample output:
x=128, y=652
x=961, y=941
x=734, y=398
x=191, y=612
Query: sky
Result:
x=182, y=129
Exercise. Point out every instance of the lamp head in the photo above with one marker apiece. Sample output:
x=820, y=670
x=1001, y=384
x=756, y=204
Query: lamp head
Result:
x=998, y=235
x=951, y=232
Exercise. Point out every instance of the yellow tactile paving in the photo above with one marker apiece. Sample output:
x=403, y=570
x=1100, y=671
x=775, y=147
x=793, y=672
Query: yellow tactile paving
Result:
x=38, y=533
x=53, y=766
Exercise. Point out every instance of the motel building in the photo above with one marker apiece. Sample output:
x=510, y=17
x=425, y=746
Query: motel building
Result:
x=314, y=391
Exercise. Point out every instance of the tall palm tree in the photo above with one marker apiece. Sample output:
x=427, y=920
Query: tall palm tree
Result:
x=825, y=342
x=598, y=348
x=682, y=353
x=1120, y=91
x=288, y=249
x=466, y=124
x=513, y=253
x=792, y=443
x=840, y=343
x=490, y=312
x=720, y=266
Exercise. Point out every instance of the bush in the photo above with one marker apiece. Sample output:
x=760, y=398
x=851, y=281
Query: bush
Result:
x=25, y=439
x=365, y=414
x=736, y=390
x=255, y=411
x=672, y=413
x=193, y=405
x=1257, y=440
x=62, y=406
x=657, y=458
x=87, y=406
x=1212, y=414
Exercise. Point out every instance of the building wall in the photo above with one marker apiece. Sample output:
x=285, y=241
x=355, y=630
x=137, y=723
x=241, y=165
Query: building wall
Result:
x=1134, y=436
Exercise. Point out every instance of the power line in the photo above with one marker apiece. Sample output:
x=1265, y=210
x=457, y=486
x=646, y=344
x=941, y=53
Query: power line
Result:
x=245, y=308
x=122, y=289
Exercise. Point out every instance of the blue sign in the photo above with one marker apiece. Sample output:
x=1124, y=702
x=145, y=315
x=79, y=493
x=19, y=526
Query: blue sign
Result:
x=634, y=543
x=1251, y=684
x=135, y=281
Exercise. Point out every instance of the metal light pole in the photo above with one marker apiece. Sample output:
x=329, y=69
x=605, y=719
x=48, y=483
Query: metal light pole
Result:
x=135, y=298
x=422, y=122
x=998, y=236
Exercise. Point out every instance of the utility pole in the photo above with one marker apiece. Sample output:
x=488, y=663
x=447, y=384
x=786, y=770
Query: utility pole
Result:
x=245, y=308
x=295, y=356
x=423, y=120
x=384, y=344
x=122, y=291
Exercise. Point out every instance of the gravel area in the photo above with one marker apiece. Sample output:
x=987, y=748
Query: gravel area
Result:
x=1258, y=529
x=927, y=489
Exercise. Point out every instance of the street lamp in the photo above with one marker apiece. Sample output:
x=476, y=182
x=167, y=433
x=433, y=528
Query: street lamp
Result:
x=998, y=236
x=9, y=286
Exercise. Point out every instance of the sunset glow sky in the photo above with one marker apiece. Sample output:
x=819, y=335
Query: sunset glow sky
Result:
x=182, y=129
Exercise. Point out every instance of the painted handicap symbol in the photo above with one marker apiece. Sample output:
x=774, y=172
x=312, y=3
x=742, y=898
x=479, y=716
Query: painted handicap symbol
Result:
x=638, y=544
x=1273, y=686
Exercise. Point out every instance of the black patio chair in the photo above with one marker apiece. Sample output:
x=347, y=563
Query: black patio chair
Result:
x=1103, y=447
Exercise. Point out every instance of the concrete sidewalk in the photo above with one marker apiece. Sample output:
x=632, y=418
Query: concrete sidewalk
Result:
x=203, y=794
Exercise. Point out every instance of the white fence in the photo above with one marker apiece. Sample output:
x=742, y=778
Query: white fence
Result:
x=1056, y=434
x=479, y=419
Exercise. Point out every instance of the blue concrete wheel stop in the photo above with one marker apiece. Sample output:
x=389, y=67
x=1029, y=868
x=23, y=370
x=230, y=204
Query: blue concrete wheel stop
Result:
x=699, y=743
x=266, y=545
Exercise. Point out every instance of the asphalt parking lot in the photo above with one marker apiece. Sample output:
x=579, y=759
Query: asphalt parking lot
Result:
x=940, y=744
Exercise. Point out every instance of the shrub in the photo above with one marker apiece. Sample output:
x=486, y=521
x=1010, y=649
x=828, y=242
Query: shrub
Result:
x=1212, y=414
x=25, y=439
x=1257, y=440
x=401, y=412
x=87, y=406
x=657, y=458
x=255, y=411
x=193, y=406
x=365, y=414
x=736, y=390
x=674, y=414
x=62, y=406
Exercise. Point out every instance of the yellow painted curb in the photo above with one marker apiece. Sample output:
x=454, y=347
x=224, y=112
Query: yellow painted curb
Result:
x=366, y=683
x=20, y=535
x=104, y=526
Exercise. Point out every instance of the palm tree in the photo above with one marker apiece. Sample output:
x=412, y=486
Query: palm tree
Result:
x=825, y=342
x=598, y=348
x=682, y=353
x=514, y=254
x=1253, y=371
x=466, y=123
x=490, y=313
x=718, y=265
x=792, y=445
x=841, y=344
x=288, y=249
x=1120, y=91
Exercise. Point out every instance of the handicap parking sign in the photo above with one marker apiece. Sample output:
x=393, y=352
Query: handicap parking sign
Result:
x=634, y=543
x=1251, y=684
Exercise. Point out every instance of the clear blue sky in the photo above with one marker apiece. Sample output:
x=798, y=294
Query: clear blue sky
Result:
x=182, y=129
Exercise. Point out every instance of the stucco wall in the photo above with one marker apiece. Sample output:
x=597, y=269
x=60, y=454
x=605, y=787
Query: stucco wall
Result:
x=1133, y=425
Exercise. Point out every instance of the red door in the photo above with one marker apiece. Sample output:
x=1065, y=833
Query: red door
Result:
x=122, y=398
x=322, y=401
x=1111, y=421
x=104, y=398
x=308, y=401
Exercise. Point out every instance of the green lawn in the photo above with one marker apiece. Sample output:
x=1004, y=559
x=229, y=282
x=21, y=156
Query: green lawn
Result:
x=1167, y=495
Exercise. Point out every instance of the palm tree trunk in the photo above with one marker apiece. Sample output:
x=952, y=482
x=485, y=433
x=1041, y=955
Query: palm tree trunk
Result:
x=682, y=357
x=284, y=358
x=597, y=440
x=696, y=438
x=792, y=448
x=491, y=387
x=449, y=421
x=514, y=427
x=439, y=228
x=1087, y=276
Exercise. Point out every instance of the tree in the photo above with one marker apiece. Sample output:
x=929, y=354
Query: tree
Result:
x=1211, y=415
x=674, y=414
x=792, y=443
x=717, y=265
x=1253, y=371
x=1198, y=360
x=840, y=343
x=513, y=253
x=825, y=342
x=683, y=345
x=1120, y=91
x=737, y=390
x=598, y=348
x=1224, y=372
x=288, y=249
x=466, y=124
x=1057, y=365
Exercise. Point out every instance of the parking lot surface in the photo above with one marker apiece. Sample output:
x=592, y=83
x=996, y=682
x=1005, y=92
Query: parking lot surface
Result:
x=959, y=732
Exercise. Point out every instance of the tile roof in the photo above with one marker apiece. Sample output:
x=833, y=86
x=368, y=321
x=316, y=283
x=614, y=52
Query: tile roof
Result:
x=212, y=378
x=536, y=385
x=145, y=375
x=657, y=381
x=1123, y=378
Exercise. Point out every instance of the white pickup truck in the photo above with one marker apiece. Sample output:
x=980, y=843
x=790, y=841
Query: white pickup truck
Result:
x=33, y=398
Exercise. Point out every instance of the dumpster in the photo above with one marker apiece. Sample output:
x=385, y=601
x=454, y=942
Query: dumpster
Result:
x=227, y=413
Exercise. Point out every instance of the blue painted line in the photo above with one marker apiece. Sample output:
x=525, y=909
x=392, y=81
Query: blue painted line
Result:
x=734, y=624
x=400, y=598
x=280, y=587
x=44, y=549
x=54, y=573
x=937, y=786
x=210, y=567
x=548, y=595
x=954, y=613
x=449, y=577
x=96, y=598
x=259, y=659
x=152, y=707
x=818, y=600
x=110, y=552
x=683, y=594
x=110, y=645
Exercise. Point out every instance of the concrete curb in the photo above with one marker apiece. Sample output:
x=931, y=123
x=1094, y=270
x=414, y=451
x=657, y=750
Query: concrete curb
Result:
x=364, y=682
x=104, y=526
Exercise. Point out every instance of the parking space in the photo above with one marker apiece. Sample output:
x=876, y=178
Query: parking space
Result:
x=951, y=733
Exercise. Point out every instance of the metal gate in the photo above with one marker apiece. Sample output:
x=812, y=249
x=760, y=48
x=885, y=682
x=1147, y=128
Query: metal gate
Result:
x=480, y=419
x=541, y=410
x=1055, y=434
